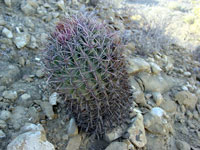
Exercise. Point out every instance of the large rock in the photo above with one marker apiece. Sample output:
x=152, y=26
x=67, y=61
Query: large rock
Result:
x=117, y=146
x=136, y=65
x=9, y=74
x=156, y=83
x=137, y=132
x=33, y=138
x=156, y=121
x=186, y=98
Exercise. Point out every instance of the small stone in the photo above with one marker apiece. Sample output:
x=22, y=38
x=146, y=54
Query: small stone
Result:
x=32, y=138
x=25, y=100
x=190, y=124
x=131, y=47
x=117, y=146
x=10, y=73
x=61, y=5
x=157, y=98
x=74, y=143
x=40, y=73
x=21, y=40
x=2, y=134
x=46, y=108
x=34, y=115
x=25, y=96
x=136, y=65
x=169, y=67
x=72, y=129
x=12, y=95
x=8, y=2
x=139, y=98
x=2, y=124
x=22, y=61
x=196, y=115
x=33, y=43
x=137, y=132
x=2, y=21
x=155, y=68
x=29, y=23
x=187, y=74
x=189, y=114
x=186, y=98
x=114, y=134
x=130, y=146
x=43, y=121
x=41, y=10
x=27, y=8
x=5, y=115
x=184, y=88
x=6, y=32
x=181, y=145
x=65, y=137
x=183, y=110
x=53, y=98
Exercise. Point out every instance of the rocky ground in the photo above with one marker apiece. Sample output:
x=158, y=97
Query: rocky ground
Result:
x=163, y=74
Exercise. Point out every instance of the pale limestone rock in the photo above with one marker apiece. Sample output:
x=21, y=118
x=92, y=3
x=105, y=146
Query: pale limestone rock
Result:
x=157, y=122
x=6, y=32
x=53, y=98
x=136, y=65
x=21, y=40
x=33, y=138
x=187, y=99
x=137, y=131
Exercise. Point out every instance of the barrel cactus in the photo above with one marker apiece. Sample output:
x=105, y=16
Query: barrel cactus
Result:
x=85, y=66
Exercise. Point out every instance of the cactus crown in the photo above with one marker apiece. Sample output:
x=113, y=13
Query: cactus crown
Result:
x=85, y=66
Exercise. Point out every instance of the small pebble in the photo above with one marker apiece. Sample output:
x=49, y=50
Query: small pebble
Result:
x=40, y=73
x=187, y=74
x=6, y=32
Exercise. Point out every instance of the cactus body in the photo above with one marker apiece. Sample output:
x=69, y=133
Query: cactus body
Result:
x=85, y=66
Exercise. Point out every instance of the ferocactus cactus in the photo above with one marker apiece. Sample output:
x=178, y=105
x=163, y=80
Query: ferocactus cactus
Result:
x=85, y=66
